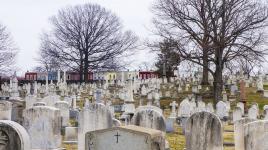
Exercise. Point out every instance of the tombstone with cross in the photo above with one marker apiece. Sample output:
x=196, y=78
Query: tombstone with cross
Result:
x=125, y=137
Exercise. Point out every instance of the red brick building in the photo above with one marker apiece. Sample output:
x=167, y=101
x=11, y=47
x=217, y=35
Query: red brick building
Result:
x=30, y=76
x=147, y=75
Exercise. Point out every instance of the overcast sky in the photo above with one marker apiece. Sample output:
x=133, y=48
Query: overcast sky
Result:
x=26, y=19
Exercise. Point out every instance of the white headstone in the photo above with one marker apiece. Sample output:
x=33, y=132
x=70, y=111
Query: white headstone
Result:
x=237, y=114
x=222, y=110
x=252, y=113
x=241, y=106
x=95, y=117
x=43, y=124
x=256, y=135
x=185, y=109
x=239, y=132
x=64, y=112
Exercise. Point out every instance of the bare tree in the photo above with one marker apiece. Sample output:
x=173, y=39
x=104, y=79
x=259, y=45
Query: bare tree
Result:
x=85, y=36
x=187, y=22
x=48, y=61
x=8, y=50
x=231, y=29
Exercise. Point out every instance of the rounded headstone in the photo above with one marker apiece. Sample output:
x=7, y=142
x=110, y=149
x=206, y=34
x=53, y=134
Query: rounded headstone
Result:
x=13, y=136
x=204, y=132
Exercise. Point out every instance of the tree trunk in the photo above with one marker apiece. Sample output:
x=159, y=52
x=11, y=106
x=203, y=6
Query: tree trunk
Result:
x=81, y=71
x=86, y=68
x=205, y=67
x=218, y=84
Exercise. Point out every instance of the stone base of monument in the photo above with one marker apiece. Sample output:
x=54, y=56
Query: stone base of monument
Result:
x=170, y=124
x=70, y=142
x=71, y=135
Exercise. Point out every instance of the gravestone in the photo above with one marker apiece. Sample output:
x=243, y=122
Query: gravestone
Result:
x=149, y=118
x=125, y=138
x=233, y=89
x=128, y=108
x=239, y=132
x=204, y=132
x=173, y=110
x=169, y=125
x=265, y=112
x=64, y=112
x=143, y=90
x=210, y=108
x=43, y=124
x=50, y=100
x=222, y=110
x=74, y=113
x=5, y=110
x=116, y=122
x=71, y=135
x=241, y=106
x=260, y=84
x=13, y=136
x=253, y=113
x=95, y=117
x=185, y=108
x=224, y=96
x=256, y=135
x=30, y=100
x=237, y=114
x=150, y=107
x=201, y=106
x=167, y=94
x=193, y=106
x=17, y=111
x=184, y=112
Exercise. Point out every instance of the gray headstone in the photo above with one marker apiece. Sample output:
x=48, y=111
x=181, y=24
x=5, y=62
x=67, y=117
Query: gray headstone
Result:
x=239, y=132
x=149, y=118
x=256, y=135
x=204, y=132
